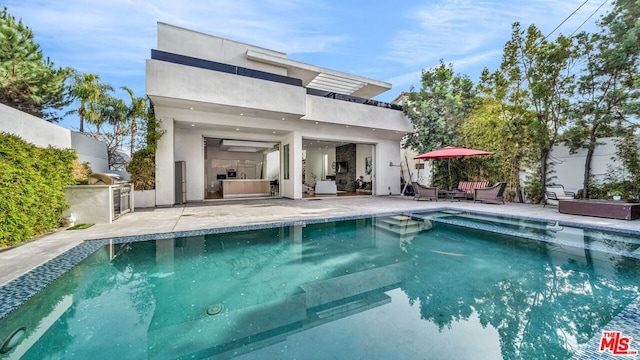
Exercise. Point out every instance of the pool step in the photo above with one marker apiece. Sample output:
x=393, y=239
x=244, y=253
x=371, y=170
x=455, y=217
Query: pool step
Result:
x=403, y=226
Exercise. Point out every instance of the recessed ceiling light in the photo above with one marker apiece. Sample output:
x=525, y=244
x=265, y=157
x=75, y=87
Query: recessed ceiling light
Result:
x=237, y=129
x=282, y=118
x=347, y=125
x=316, y=123
x=241, y=114
x=373, y=129
x=191, y=108
x=274, y=132
x=193, y=124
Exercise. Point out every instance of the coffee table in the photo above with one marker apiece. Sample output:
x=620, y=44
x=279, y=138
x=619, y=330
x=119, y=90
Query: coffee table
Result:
x=600, y=208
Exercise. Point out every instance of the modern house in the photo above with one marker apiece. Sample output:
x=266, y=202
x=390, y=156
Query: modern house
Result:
x=241, y=121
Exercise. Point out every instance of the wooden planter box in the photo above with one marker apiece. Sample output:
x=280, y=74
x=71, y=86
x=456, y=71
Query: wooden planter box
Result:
x=601, y=208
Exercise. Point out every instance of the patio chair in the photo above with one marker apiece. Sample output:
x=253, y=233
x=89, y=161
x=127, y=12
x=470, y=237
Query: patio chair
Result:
x=554, y=193
x=424, y=193
x=494, y=194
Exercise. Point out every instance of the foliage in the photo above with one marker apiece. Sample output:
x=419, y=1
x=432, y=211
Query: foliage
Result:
x=436, y=111
x=29, y=82
x=142, y=169
x=32, y=182
x=540, y=79
x=85, y=90
x=80, y=172
x=142, y=166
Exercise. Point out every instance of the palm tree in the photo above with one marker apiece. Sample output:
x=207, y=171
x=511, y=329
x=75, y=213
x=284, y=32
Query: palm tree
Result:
x=137, y=109
x=114, y=111
x=87, y=89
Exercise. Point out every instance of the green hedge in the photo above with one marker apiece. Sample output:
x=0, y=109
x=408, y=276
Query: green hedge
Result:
x=32, y=182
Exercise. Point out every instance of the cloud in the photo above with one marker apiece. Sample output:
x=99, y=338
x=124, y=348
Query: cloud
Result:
x=453, y=28
x=115, y=36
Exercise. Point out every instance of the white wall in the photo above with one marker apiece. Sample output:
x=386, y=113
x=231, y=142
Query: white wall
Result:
x=387, y=178
x=569, y=169
x=43, y=134
x=165, y=166
x=189, y=147
x=363, y=151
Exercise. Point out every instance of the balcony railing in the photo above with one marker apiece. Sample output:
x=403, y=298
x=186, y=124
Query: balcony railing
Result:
x=262, y=75
x=355, y=99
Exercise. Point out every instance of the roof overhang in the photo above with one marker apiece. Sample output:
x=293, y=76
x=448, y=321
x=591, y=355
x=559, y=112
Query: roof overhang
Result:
x=324, y=79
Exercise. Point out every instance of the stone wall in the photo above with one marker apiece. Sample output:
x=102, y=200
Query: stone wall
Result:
x=346, y=181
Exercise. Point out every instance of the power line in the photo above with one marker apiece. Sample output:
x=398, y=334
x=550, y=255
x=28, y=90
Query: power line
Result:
x=565, y=20
x=590, y=16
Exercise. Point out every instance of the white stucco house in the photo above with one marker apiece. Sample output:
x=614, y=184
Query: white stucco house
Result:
x=238, y=115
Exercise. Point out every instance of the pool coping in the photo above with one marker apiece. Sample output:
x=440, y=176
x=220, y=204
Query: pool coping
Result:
x=16, y=292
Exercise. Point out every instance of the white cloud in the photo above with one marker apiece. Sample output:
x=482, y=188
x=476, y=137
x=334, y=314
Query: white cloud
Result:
x=453, y=28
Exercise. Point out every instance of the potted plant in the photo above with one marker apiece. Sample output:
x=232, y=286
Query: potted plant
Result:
x=617, y=194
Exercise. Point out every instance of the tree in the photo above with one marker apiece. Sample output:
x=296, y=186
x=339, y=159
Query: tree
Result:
x=29, y=82
x=114, y=112
x=86, y=89
x=500, y=123
x=137, y=109
x=540, y=76
x=605, y=94
x=436, y=111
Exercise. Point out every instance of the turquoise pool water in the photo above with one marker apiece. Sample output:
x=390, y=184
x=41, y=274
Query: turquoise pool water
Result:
x=372, y=288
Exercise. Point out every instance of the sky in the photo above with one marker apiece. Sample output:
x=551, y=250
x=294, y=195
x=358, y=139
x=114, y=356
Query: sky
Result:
x=392, y=41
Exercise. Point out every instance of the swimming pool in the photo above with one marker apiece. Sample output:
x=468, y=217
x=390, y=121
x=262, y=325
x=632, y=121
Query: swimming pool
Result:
x=436, y=285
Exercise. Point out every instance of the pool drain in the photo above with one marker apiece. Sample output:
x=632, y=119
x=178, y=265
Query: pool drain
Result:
x=215, y=309
x=13, y=340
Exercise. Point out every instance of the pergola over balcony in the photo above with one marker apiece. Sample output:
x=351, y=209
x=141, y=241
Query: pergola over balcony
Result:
x=319, y=78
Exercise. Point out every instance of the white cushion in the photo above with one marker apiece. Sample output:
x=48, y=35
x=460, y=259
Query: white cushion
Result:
x=559, y=192
x=326, y=187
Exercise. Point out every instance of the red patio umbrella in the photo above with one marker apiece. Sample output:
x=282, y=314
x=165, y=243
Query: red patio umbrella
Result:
x=451, y=152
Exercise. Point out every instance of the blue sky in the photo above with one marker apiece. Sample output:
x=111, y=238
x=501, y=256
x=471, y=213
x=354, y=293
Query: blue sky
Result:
x=385, y=40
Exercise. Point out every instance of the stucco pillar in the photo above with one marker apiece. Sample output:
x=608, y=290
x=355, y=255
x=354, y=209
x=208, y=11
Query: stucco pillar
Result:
x=165, y=166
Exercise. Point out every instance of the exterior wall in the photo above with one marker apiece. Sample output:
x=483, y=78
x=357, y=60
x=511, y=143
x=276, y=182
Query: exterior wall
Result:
x=92, y=204
x=43, y=134
x=387, y=178
x=292, y=188
x=189, y=148
x=207, y=86
x=363, y=151
x=347, y=113
x=165, y=165
x=92, y=151
x=569, y=169
x=203, y=46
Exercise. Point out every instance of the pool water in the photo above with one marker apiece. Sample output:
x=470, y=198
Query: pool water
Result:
x=375, y=288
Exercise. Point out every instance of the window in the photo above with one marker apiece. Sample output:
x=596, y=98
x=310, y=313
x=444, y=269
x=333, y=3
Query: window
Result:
x=285, y=160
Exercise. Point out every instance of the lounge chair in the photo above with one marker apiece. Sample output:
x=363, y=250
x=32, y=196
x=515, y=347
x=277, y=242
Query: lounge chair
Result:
x=494, y=194
x=424, y=193
x=554, y=193
x=469, y=187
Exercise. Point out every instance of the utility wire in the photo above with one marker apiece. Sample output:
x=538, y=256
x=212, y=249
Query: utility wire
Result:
x=565, y=20
x=590, y=16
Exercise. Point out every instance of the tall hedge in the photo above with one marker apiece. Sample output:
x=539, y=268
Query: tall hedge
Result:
x=32, y=182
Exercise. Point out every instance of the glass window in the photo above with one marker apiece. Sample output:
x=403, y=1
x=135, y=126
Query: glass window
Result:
x=285, y=161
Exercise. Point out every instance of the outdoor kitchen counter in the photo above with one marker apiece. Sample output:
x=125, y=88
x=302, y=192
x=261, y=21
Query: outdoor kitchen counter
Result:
x=245, y=188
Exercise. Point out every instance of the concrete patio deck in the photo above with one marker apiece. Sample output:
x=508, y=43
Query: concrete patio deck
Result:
x=215, y=214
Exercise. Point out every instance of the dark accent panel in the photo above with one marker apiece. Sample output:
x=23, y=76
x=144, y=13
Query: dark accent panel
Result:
x=346, y=154
x=355, y=99
x=226, y=68
x=191, y=61
x=257, y=74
